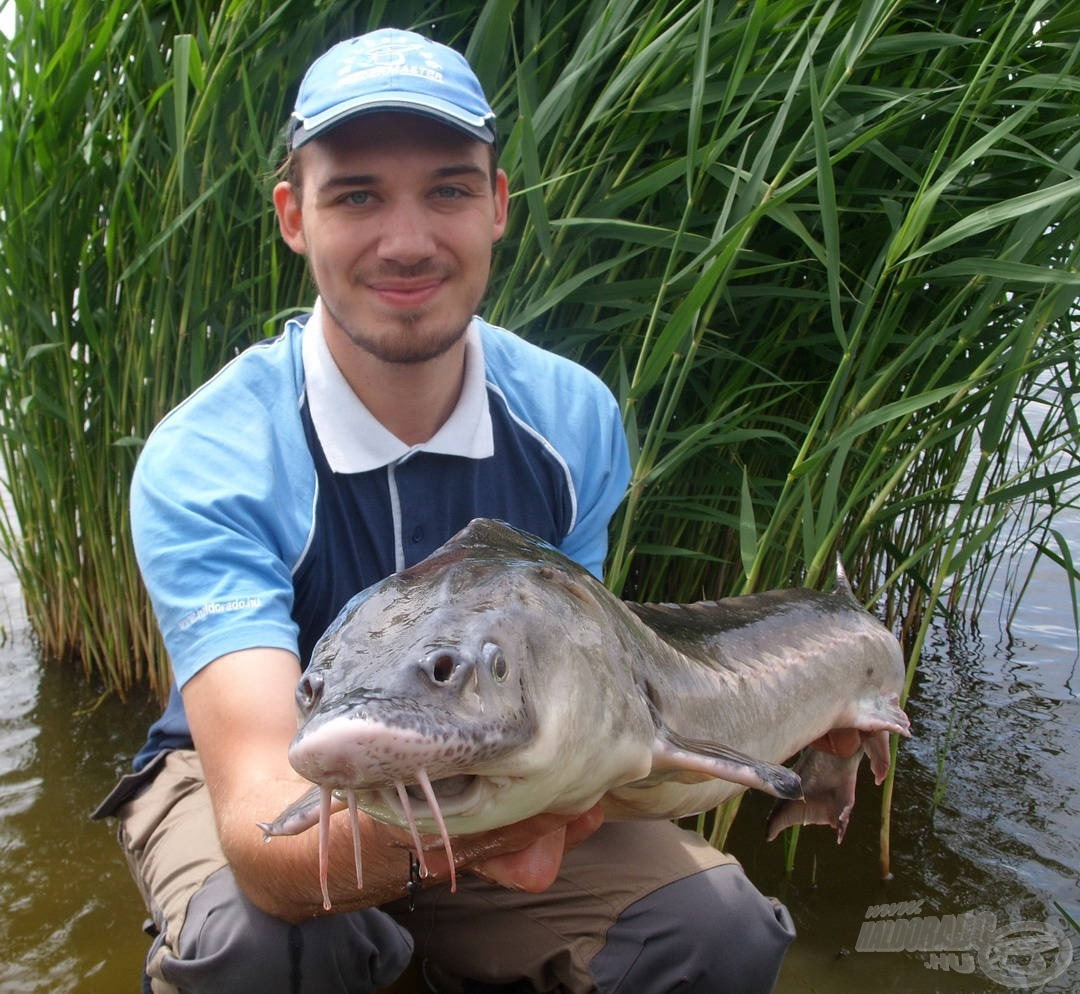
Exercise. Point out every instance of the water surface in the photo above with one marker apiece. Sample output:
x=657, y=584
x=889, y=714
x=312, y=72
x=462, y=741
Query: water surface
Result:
x=72, y=918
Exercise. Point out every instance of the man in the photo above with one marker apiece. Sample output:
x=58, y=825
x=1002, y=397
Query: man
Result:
x=316, y=464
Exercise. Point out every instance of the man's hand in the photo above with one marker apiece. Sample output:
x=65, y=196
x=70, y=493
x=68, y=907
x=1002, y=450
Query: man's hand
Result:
x=525, y=856
x=534, y=868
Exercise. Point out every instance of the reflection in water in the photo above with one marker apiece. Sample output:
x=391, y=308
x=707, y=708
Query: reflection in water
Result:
x=985, y=817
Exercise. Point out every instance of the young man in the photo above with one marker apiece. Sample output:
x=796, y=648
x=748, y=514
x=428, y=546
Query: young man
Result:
x=316, y=464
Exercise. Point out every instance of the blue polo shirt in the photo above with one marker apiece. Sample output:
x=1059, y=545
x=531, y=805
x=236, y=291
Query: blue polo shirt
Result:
x=271, y=496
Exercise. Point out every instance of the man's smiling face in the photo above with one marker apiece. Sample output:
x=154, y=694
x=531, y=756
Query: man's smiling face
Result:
x=397, y=215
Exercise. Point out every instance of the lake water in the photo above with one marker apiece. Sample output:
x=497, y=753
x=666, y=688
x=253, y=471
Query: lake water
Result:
x=986, y=819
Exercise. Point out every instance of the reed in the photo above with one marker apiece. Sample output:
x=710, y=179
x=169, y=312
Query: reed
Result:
x=825, y=253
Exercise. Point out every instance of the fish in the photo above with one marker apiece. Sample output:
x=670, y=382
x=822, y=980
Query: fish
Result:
x=498, y=679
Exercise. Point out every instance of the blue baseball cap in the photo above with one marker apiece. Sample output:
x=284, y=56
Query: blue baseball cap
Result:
x=385, y=70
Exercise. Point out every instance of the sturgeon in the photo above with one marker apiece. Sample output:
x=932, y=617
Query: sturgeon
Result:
x=498, y=679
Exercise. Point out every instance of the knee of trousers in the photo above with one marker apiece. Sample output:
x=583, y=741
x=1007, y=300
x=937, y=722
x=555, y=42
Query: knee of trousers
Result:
x=228, y=945
x=712, y=932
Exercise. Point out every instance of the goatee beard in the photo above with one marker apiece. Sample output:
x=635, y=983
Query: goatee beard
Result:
x=405, y=344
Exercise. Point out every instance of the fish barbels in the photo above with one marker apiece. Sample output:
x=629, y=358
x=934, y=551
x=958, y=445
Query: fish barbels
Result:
x=497, y=679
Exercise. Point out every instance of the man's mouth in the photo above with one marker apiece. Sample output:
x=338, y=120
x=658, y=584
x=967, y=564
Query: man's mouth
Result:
x=406, y=293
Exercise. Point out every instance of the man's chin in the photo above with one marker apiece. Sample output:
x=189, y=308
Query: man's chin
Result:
x=412, y=352
x=407, y=342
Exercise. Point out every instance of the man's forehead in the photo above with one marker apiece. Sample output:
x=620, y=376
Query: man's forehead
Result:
x=390, y=129
x=372, y=151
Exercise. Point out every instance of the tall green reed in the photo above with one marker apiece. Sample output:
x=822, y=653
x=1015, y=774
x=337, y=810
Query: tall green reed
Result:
x=825, y=253
x=801, y=303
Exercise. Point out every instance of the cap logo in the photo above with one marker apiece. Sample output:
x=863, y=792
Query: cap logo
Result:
x=390, y=60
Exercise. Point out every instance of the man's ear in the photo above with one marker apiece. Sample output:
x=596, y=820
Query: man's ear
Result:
x=287, y=206
x=502, y=204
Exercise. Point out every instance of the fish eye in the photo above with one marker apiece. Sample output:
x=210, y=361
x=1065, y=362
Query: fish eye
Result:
x=500, y=668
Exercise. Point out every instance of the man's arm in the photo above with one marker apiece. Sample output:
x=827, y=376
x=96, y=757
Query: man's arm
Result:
x=242, y=719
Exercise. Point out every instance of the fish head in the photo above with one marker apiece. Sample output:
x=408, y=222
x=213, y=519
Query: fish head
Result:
x=458, y=669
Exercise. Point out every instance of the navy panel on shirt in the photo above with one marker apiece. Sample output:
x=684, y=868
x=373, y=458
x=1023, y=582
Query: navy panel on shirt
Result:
x=354, y=541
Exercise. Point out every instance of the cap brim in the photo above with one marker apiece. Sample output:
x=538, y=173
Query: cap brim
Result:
x=301, y=131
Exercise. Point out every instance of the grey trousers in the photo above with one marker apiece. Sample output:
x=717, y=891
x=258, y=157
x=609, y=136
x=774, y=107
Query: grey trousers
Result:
x=639, y=908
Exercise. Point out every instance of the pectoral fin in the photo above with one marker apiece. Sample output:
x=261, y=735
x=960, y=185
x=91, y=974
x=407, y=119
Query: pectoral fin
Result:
x=675, y=753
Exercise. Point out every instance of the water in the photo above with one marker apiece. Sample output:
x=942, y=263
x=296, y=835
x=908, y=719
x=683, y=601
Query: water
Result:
x=72, y=919
x=1000, y=718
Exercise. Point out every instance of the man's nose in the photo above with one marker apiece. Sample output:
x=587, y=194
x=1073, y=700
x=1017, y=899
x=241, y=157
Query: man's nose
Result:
x=406, y=237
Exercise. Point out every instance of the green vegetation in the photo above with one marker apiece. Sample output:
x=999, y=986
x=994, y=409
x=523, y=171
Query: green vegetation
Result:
x=825, y=253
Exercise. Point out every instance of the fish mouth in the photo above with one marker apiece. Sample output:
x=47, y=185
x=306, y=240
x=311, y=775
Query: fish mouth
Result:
x=456, y=795
x=444, y=789
x=431, y=801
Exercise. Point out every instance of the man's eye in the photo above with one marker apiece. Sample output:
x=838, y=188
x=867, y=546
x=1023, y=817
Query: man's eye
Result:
x=450, y=193
x=358, y=198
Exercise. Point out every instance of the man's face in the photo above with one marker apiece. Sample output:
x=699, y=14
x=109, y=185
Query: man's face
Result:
x=397, y=215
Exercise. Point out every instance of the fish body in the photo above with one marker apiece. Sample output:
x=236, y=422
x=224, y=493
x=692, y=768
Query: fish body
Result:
x=497, y=679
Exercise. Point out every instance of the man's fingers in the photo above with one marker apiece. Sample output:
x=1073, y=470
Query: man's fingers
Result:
x=532, y=869
x=524, y=856
x=584, y=825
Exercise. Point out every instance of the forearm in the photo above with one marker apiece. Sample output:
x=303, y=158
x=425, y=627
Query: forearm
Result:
x=281, y=876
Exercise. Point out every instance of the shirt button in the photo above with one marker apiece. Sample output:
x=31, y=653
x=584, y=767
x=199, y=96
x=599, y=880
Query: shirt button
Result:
x=418, y=535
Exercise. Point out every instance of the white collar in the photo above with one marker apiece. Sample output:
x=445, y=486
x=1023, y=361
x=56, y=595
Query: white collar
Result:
x=353, y=441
